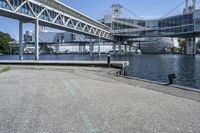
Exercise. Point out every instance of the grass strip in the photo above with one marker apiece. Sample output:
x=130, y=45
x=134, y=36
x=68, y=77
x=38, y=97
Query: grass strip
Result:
x=5, y=69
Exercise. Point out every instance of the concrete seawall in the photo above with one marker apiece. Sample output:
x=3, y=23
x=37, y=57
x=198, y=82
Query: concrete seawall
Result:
x=113, y=64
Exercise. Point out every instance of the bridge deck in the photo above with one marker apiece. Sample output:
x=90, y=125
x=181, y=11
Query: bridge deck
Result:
x=54, y=14
x=66, y=9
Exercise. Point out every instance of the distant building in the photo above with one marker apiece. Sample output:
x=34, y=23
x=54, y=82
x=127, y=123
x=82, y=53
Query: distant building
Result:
x=157, y=46
x=64, y=42
x=150, y=45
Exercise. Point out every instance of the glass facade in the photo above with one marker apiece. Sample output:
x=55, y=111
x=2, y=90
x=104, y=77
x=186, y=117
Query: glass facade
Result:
x=4, y=4
x=174, y=25
x=177, y=24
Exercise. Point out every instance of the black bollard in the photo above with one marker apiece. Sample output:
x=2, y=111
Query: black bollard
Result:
x=108, y=60
x=171, y=78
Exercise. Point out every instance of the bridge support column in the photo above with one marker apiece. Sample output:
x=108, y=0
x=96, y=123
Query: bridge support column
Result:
x=190, y=46
x=114, y=48
x=21, y=48
x=99, y=46
x=129, y=50
x=37, y=40
x=80, y=48
x=120, y=47
x=57, y=47
x=83, y=48
x=139, y=45
x=91, y=47
x=125, y=49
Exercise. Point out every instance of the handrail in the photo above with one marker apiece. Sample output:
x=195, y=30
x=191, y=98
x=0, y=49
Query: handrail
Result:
x=66, y=9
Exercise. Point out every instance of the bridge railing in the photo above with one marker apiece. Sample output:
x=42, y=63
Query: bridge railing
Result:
x=66, y=9
x=52, y=14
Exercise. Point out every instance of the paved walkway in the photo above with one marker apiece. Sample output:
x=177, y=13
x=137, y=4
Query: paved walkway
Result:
x=80, y=100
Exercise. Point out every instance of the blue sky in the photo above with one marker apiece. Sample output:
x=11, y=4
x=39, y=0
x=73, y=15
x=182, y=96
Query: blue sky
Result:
x=142, y=7
x=94, y=9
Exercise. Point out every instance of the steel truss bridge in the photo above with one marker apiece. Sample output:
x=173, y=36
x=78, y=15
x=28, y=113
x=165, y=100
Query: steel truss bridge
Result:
x=51, y=13
x=55, y=14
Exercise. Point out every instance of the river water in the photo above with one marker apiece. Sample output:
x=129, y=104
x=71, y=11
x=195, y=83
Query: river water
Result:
x=151, y=67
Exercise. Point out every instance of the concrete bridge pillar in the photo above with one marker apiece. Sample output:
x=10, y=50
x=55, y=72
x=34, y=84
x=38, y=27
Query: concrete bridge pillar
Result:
x=37, y=40
x=129, y=50
x=114, y=48
x=99, y=46
x=91, y=47
x=125, y=49
x=57, y=47
x=21, y=48
x=190, y=46
x=139, y=45
x=120, y=47
x=80, y=48
x=84, y=48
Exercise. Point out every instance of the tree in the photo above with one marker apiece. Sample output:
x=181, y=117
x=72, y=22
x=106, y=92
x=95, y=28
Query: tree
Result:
x=46, y=49
x=5, y=38
x=182, y=44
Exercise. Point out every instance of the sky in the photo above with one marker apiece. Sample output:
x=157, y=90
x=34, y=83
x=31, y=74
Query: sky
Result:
x=95, y=8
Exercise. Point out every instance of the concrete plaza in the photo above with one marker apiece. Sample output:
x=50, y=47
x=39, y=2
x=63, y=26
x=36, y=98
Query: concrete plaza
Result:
x=46, y=99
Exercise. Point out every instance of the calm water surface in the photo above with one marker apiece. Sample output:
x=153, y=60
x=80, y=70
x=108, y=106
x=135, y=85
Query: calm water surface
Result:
x=151, y=67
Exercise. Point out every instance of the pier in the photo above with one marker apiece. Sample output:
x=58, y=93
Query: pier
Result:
x=91, y=99
x=121, y=65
